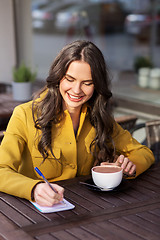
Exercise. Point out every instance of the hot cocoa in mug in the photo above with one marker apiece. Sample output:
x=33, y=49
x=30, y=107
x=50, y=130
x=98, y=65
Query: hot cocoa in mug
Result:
x=107, y=176
x=103, y=169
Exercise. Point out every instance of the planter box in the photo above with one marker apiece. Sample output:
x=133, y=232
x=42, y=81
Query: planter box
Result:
x=22, y=91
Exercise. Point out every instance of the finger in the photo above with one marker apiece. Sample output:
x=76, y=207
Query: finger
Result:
x=128, y=167
x=47, y=197
x=59, y=189
x=39, y=196
x=43, y=191
x=124, y=162
x=44, y=202
x=54, y=195
x=104, y=163
x=120, y=160
x=132, y=170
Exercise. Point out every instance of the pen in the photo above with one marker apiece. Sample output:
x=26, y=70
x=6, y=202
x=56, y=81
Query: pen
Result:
x=41, y=174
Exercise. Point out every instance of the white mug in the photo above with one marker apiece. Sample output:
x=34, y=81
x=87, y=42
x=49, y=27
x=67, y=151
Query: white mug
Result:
x=107, y=176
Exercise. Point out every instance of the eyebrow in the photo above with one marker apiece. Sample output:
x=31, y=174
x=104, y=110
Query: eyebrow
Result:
x=87, y=80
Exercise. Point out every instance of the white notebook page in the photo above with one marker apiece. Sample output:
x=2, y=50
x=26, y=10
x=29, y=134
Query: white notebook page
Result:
x=62, y=206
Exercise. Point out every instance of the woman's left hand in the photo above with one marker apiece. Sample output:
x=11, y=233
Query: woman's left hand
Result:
x=129, y=168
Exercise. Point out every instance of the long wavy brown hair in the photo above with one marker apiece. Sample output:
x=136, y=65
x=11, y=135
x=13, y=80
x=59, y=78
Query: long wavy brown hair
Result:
x=49, y=110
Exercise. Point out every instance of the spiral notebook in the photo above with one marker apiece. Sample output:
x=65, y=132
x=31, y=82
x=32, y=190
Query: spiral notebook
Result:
x=61, y=206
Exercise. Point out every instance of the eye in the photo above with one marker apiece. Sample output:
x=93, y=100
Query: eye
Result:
x=88, y=83
x=69, y=79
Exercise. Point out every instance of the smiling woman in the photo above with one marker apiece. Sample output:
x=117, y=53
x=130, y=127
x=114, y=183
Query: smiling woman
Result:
x=67, y=129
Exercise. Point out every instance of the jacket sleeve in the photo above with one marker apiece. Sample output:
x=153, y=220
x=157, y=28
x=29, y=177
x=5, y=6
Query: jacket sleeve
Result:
x=139, y=154
x=11, y=157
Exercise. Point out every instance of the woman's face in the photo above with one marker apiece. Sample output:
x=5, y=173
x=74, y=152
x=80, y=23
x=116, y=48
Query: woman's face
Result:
x=77, y=86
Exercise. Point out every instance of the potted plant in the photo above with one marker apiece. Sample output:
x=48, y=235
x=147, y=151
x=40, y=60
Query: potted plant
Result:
x=23, y=78
x=142, y=66
x=142, y=62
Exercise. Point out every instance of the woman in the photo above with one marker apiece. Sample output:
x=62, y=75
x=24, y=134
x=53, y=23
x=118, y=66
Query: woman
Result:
x=67, y=129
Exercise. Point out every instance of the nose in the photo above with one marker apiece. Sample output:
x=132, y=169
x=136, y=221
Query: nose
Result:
x=77, y=88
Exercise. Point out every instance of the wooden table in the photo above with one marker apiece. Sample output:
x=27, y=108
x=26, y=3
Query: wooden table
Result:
x=7, y=104
x=133, y=212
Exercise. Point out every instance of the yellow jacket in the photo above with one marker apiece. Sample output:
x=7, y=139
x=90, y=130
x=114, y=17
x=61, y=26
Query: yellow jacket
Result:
x=19, y=154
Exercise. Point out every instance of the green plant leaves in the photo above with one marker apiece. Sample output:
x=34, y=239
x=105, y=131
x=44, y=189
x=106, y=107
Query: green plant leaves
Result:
x=23, y=74
x=141, y=62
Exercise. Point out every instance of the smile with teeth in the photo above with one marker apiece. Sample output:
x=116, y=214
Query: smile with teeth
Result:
x=77, y=98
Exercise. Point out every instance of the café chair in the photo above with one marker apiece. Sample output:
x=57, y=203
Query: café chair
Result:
x=152, y=141
x=153, y=137
x=127, y=122
x=5, y=87
x=3, y=126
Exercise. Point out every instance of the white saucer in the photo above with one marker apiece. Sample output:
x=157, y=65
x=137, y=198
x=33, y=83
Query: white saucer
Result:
x=125, y=184
x=105, y=189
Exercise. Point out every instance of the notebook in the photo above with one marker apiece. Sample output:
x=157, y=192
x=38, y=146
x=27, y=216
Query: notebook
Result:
x=61, y=206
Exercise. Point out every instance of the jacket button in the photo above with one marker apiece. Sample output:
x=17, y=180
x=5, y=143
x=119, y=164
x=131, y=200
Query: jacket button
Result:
x=72, y=166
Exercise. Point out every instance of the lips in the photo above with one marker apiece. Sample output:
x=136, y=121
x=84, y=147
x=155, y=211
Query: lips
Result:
x=74, y=98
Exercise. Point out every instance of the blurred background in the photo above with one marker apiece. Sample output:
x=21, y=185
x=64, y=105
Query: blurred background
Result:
x=122, y=29
x=126, y=31
x=32, y=32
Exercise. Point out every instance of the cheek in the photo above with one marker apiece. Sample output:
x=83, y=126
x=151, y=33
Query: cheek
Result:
x=63, y=86
x=90, y=92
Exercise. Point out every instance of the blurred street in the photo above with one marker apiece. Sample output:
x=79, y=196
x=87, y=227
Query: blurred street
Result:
x=119, y=50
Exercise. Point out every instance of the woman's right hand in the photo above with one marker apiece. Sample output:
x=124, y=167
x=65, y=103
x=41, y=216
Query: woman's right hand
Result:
x=45, y=196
